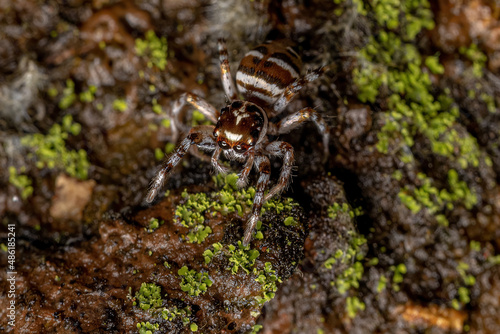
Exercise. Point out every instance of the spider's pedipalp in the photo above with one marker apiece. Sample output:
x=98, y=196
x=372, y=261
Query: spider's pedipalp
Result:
x=243, y=176
x=215, y=161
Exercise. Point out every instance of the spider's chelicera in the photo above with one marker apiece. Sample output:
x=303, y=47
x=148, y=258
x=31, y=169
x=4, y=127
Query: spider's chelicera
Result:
x=268, y=78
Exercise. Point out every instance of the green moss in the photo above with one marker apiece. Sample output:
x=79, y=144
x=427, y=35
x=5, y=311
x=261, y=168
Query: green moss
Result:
x=397, y=277
x=120, y=105
x=490, y=102
x=148, y=296
x=169, y=148
x=382, y=284
x=199, y=119
x=333, y=259
x=154, y=49
x=68, y=95
x=192, y=212
x=157, y=107
x=22, y=182
x=353, y=305
x=159, y=155
x=268, y=281
x=349, y=278
x=432, y=63
x=194, y=283
x=390, y=67
x=242, y=257
x=477, y=57
x=468, y=279
x=209, y=254
x=437, y=200
x=154, y=223
x=335, y=209
x=256, y=329
x=147, y=328
x=191, y=215
x=51, y=152
x=352, y=256
x=88, y=95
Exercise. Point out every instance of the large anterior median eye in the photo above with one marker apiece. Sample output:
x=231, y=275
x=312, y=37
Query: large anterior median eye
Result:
x=239, y=149
x=223, y=144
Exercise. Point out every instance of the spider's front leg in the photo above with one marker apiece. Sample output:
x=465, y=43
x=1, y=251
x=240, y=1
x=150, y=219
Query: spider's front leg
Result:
x=209, y=111
x=285, y=150
x=262, y=163
x=201, y=136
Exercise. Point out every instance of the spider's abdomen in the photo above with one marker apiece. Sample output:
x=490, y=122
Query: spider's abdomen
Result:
x=266, y=71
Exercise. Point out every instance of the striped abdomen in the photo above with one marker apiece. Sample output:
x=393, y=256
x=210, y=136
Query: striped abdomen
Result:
x=266, y=71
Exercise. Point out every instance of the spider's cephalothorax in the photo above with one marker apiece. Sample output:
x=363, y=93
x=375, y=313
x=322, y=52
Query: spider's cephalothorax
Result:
x=239, y=128
x=268, y=78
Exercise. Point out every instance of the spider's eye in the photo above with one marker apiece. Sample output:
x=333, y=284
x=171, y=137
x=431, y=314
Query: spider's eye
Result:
x=239, y=149
x=223, y=144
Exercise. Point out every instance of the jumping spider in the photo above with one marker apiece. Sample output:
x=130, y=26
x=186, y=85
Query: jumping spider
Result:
x=268, y=78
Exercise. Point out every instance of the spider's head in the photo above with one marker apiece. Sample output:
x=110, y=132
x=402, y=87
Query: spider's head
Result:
x=240, y=127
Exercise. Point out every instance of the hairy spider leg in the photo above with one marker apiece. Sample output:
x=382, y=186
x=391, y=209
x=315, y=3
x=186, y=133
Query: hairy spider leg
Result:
x=284, y=150
x=264, y=167
x=201, y=136
x=243, y=176
x=291, y=90
x=227, y=80
x=209, y=111
x=294, y=120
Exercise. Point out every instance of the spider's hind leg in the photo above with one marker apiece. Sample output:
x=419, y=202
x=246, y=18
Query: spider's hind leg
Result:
x=294, y=120
x=227, y=80
x=291, y=90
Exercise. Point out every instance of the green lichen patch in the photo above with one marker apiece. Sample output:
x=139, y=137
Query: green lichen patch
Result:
x=435, y=200
x=391, y=69
x=194, y=283
x=148, y=296
x=268, y=280
x=20, y=181
x=50, y=150
x=196, y=208
x=154, y=49
x=241, y=257
x=147, y=328
x=154, y=223
x=477, y=57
